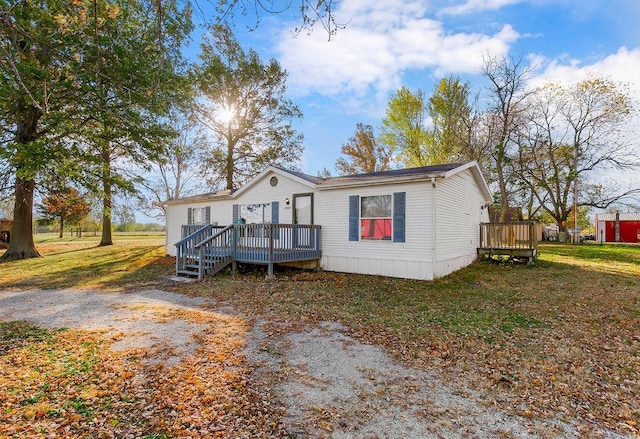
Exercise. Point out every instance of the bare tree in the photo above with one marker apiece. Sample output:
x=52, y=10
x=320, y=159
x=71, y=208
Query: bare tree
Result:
x=312, y=13
x=570, y=133
x=178, y=172
x=506, y=96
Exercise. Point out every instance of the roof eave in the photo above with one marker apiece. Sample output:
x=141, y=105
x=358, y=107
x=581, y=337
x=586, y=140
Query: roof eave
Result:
x=199, y=199
x=380, y=181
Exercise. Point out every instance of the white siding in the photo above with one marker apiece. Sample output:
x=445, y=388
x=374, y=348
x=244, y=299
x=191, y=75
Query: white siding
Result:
x=601, y=230
x=459, y=214
x=409, y=259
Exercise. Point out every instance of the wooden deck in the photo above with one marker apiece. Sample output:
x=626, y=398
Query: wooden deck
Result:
x=209, y=249
x=514, y=239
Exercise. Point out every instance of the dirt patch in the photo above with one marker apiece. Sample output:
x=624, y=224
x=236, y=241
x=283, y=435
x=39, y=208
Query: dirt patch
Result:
x=134, y=320
x=334, y=386
x=322, y=382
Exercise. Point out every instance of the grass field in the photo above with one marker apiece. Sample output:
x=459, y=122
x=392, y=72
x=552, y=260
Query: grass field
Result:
x=557, y=339
x=46, y=238
x=132, y=261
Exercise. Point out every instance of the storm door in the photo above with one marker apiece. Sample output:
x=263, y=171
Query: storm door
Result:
x=303, y=216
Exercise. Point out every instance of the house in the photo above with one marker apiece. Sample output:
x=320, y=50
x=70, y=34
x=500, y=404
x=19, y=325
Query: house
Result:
x=5, y=230
x=419, y=223
x=617, y=227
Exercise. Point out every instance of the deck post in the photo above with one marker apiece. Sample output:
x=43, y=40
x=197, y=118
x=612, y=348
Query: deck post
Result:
x=200, y=263
x=270, y=260
x=234, y=250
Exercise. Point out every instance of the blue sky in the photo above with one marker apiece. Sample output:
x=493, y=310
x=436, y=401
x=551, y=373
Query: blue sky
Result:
x=392, y=43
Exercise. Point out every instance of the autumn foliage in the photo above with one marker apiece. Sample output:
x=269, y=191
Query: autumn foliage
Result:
x=64, y=205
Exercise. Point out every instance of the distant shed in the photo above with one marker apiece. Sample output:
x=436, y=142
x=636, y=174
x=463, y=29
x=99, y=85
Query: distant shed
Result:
x=5, y=230
x=627, y=224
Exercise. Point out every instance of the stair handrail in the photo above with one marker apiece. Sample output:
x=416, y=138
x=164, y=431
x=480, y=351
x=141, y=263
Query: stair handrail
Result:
x=181, y=246
x=194, y=234
x=202, y=245
x=212, y=237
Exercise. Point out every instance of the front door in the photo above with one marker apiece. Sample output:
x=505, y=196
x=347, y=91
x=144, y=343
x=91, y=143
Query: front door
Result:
x=303, y=215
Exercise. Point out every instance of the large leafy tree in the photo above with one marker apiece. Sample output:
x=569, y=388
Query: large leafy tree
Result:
x=362, y=153
x=68, y=67
x=246, y=109
x=128, y=104
x=452, y=121
x=38, y=60
x=403, y=128
x=570, y=133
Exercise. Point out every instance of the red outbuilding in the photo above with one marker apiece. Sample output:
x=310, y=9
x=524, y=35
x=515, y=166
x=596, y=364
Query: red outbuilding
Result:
x=617, y=227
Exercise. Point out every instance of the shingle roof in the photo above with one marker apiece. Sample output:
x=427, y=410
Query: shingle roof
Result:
x=381, y=177
x=307, y=177
x=206, y=196
x=424, y=170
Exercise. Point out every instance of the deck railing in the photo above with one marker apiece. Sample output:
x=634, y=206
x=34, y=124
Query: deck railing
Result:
x=512, y=238
x=249, y=243
x=188, y=229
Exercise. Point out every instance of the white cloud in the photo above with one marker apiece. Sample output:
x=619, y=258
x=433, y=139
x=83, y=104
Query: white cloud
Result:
x=380, y=43
x=474, y=6
x=622, y=66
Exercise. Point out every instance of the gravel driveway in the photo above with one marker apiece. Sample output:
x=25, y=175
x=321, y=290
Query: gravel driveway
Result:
x=330, y=384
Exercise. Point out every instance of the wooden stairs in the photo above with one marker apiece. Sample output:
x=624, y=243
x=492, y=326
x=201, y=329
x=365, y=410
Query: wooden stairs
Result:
x=212, y=265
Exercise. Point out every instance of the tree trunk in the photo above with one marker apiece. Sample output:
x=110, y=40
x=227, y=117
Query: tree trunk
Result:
x=502, y=184
x=61, y=226
x=230, y=162
x=106, y=199
x=229, y=166
x=22, y=245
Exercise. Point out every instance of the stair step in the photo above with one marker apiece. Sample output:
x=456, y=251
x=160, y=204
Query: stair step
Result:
x=187, y=273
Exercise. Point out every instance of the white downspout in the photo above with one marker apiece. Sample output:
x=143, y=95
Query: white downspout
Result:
x=434, y=235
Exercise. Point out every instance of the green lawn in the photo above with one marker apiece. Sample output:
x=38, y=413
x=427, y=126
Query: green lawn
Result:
x=560, y=338
x=132, y=262
x=44, y=238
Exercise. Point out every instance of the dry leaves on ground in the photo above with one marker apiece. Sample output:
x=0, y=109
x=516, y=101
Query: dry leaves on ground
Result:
x=549, y=341
x=69, y=383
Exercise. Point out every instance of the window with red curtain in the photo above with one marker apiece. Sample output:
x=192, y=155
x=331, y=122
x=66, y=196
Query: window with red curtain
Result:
x=376, y=218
